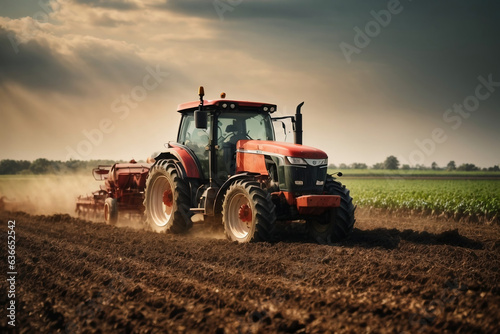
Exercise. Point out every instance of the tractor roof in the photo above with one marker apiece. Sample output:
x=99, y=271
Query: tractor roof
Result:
x=229, y=104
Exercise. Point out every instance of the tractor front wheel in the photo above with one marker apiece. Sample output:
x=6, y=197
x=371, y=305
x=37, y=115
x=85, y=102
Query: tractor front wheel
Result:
x=111, y=211
x=338, y=223
x=167, y=199
x=248, y=213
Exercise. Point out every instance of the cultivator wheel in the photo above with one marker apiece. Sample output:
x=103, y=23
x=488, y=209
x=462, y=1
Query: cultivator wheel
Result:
x=335, y=224
x=110, y=211
x=167, y=199
x=248, y=213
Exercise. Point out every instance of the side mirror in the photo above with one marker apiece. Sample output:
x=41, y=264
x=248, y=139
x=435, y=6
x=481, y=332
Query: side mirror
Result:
x=200, y=119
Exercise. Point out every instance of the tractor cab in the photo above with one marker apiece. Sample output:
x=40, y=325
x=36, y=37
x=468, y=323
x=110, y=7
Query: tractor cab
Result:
x=235, y=120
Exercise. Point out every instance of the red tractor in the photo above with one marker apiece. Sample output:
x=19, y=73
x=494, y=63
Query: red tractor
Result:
x=227, y=166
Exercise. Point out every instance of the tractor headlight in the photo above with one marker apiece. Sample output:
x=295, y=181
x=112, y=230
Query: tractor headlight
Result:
x=296, y=161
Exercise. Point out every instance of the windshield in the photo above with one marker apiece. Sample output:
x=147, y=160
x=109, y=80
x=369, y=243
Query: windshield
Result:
x=237, y=126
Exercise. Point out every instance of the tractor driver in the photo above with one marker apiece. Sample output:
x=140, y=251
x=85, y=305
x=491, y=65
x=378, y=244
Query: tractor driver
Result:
x=233, y=134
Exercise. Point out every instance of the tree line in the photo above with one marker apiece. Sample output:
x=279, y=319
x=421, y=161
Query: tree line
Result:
x=44, y=166
x=392, y=163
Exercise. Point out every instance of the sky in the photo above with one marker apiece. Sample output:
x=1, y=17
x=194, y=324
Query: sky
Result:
x=101, y=79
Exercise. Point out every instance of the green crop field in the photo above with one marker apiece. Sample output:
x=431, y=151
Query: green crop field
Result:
x=415, y=173
x=464, y=193
x=472, y=197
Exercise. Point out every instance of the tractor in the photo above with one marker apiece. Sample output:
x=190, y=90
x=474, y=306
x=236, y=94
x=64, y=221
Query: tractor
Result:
x=227, y=167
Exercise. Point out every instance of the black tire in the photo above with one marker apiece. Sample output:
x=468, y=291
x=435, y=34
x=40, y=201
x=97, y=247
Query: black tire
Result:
x=336, y=224
x=111, y=211
x=248, y=214
x=167, y=199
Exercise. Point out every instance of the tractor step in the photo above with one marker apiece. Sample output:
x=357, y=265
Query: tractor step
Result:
x=197, y=210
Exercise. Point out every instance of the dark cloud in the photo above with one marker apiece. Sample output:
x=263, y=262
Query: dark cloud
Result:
x=15, y=9
x=35, y=65
x=110, y=4
x=438, y=33
x=444, y=35
x=38, y=66
x=257, y=9
x=432, y=52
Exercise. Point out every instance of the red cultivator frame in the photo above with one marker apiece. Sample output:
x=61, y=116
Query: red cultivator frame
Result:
x=122, y=191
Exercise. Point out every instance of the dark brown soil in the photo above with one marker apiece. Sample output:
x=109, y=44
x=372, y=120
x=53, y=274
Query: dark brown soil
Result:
x=393, y=275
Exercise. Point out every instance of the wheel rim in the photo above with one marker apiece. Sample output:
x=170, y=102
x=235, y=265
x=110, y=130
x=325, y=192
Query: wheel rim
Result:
x=240, y=216
x=320, y=227
x=162, y=203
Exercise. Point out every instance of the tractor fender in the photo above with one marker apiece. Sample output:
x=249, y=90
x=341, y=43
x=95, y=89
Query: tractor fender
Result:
x=187, y=162
x=222, y=190
x=177, y=164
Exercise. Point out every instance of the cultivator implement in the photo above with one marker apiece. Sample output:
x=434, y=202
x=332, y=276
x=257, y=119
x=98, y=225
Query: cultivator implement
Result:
x=121, y=191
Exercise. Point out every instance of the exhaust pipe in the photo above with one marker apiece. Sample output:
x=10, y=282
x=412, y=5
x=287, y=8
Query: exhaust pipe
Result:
x=298, y=125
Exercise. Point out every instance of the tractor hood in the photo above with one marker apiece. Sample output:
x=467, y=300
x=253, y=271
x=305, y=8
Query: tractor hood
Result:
x=279, y=148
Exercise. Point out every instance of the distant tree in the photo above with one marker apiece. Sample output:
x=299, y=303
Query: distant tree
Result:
x=332, y=166
x=405, y=167
x=378, y=165
x=40, y=166
x=44, y=166
x=495, y=168
x=451, y=166
x=24, y=165
x=434, y=166
x=343, y=166
x=358, y=165
x=467, y=167
x=9, y=167
x=74, y=165
x=391, y=162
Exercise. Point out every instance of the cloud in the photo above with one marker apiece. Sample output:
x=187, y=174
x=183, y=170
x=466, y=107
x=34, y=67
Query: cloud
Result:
x=274, y=11
x=106, y=20
x=68, y=64
x=36, y=66
x=122, y=5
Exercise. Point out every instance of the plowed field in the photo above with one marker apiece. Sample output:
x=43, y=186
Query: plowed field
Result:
x=395, y=274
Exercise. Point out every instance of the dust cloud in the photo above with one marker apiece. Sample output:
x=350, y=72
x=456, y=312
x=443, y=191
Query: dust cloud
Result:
x=45, y=194
x=57, y=194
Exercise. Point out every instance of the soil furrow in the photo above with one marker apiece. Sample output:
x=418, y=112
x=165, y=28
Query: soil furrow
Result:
x=391, y=276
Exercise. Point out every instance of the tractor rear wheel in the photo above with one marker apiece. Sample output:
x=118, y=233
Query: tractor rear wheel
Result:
x=111, y=211
x=167, y=199
x=248, y=214
x=337, y=223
